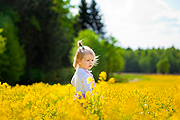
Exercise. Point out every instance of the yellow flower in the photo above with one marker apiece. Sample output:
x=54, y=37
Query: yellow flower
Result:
x=111, y=80
x=92, y=86
x=89, y=80
x=79, y=93
x=156, y=98
x=102, y=76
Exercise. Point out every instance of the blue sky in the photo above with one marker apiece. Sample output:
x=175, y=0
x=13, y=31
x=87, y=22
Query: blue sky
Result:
x=141, y=23
x=174, y=4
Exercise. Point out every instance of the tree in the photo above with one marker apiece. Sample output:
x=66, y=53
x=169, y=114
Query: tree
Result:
x=144, y=64
x=113, y=55
x=89, y=18
x=46, y=31
x=173, y=56
x=163, y=66
x=153, y=59
x=84, y=15
x=12, y=61
x=76, y=25
x=2, y=42
x=96, y=19
x=131, y=61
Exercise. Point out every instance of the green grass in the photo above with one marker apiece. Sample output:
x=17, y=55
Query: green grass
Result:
x=127, y=77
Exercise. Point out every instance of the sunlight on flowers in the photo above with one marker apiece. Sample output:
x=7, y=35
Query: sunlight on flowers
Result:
x=155, y=98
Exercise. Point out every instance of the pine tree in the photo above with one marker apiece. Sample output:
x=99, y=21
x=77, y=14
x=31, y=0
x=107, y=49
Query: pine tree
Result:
x=96, y=19
x=84, y=15
x=90, y=18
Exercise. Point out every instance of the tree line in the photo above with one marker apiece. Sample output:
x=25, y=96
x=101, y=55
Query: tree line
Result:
x=152, y=60
x=38, y=40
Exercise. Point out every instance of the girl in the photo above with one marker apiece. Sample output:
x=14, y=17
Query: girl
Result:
x=84, y=60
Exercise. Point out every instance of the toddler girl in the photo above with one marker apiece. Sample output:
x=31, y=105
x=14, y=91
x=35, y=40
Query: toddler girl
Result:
x=83, y=61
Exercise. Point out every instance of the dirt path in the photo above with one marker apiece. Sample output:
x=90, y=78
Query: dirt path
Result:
x=135, y=80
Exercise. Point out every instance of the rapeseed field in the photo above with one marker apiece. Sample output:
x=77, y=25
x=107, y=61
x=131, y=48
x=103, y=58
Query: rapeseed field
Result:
x=155, y=98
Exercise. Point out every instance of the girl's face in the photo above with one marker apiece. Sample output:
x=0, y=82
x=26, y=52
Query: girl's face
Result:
x=87, y=62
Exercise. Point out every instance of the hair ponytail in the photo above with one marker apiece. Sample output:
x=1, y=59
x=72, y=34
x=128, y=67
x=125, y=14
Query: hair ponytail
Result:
x=78, y=53
x=79, y=43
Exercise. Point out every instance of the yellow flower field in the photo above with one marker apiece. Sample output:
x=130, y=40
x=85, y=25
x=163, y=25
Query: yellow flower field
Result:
x=155, y=98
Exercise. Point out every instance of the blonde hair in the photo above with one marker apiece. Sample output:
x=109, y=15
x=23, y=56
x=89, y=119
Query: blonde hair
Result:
x=81, y=51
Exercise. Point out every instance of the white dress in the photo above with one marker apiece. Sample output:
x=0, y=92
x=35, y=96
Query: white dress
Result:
x=79, y=80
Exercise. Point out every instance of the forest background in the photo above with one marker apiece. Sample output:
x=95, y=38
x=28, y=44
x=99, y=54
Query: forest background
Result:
x=38, y=40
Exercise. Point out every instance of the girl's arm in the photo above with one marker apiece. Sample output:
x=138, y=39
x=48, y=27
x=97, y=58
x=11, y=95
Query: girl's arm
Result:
x=73, y=81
